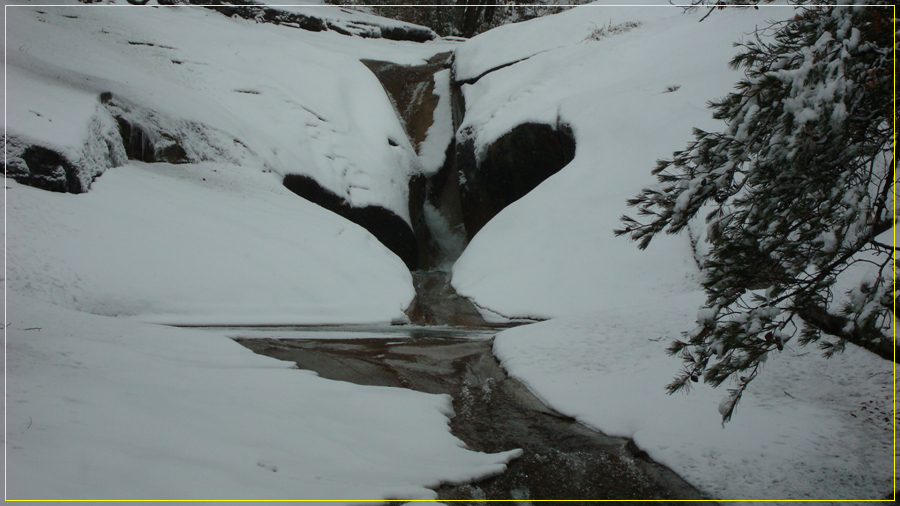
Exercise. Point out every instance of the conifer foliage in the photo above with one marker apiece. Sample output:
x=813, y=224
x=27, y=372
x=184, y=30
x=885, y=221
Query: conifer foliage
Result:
x=797, y=190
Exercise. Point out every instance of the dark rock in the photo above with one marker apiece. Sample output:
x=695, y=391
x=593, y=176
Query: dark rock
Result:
x=410, y=33
x=386, y=226
x=149, y=136
x=171, y=153
x=45, y=169
x=69, y=170
x=511, y=167
x=140, y=145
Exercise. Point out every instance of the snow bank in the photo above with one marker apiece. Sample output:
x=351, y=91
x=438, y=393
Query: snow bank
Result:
x=553, y=252
x=808, y=428
x=199, y=243
x=300, y=101
x=101, y=408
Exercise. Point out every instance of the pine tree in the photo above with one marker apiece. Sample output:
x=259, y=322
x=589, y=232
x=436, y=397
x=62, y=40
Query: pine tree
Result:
x=799, y=187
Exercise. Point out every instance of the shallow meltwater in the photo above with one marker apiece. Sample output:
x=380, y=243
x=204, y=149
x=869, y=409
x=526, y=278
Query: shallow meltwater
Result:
x=562, y=459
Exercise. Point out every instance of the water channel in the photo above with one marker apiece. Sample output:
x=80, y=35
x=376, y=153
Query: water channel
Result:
x=562, y=459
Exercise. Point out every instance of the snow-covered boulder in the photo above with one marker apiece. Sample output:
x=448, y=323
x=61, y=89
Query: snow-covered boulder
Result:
x=58, y=138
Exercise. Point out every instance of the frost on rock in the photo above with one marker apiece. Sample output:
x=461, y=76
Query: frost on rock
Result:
x=118, y=131
x=150, y=137
x=66, y=169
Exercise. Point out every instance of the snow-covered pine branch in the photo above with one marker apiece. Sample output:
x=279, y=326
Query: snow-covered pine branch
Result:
x=799, y=181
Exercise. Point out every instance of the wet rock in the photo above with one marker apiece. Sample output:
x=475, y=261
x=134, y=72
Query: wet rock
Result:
x=149, y=136
x=437, y=303
x=146, y=147
x=411, y=90
x=509, y=168
x=386, y=226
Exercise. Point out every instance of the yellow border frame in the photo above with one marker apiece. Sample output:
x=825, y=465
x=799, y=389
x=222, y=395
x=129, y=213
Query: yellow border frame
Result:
x=5, y=319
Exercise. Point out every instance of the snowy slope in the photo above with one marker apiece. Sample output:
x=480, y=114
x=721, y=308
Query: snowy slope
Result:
x=300, y=102
x=553, y=252
x=808, y=429
x=632, y=82
x=113, y=408
x=249, y=100
x=206, y=243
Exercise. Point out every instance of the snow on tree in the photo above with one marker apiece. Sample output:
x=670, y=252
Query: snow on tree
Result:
x=800, y=186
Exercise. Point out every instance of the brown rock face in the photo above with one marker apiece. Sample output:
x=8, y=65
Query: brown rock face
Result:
x=411, y=89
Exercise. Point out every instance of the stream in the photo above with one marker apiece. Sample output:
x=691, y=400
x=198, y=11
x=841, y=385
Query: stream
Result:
x=562, y=458
x=446, y=347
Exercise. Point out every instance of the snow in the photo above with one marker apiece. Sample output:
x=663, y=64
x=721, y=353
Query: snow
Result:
x=807, y=428
x=104, y=408
x=300, y=101
x=352, y=21
x=199, y=243
x=432, y=151
x=101, y=404
x=45, y=111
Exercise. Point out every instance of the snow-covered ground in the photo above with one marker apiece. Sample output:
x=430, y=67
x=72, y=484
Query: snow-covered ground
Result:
x=105, y=408
x=632, y=82
x=105, y=405
x=100, y=406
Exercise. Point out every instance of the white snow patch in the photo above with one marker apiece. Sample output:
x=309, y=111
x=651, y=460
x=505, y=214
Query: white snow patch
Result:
x=808, y=428
x=101, y=408
x=433, y=150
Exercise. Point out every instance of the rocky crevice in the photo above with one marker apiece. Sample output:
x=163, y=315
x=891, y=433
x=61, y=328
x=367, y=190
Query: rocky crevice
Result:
x=447, y=208
x=411, y=89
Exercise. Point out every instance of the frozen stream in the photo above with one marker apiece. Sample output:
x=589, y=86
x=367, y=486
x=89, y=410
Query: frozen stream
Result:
x=562, y=459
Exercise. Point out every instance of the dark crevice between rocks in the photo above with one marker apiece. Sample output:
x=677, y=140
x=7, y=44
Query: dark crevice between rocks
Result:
x=562, y=459
x=142, y=147
x=48, y=170
x=448, y=208
x=141, y=143
x=386, y=226
x=411, y=90
x=473, y=80
x=512, y=166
